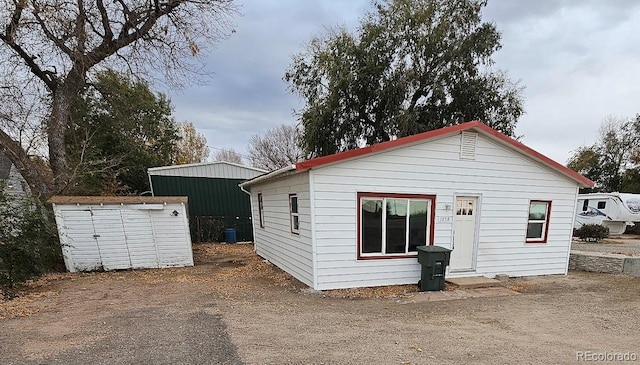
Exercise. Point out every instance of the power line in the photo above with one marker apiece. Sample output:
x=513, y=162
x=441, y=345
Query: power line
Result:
x=227, y=149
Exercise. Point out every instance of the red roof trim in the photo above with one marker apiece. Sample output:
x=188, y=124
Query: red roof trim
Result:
x=481, y=127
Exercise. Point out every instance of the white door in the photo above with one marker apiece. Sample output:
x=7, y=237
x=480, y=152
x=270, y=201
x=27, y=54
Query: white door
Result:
x=81, y=249
x=140, y=241
x=464, y=234
x=109, y=233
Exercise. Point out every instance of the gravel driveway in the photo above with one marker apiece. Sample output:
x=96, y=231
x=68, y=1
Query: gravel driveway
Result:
x=626, y=245
x=233, y=307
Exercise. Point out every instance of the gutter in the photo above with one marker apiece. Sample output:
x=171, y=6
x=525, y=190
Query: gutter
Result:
x=267, y=176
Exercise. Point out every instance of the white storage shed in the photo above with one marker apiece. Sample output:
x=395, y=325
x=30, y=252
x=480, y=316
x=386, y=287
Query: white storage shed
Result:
x=354, y=219
x=112, y=233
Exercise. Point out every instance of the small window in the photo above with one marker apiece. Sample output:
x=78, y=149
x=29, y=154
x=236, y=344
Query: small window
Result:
x=260, y=210
x=538, y=222
x=293, y=212
x=602, y=205
x=585, y=205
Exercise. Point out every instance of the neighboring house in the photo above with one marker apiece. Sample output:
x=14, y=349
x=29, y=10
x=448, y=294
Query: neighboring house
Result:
x=354, y=219
x=14, y=185
x=216, y=201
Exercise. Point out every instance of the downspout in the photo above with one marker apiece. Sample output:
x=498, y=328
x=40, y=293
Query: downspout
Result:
x=253, y=226
x=150, y=184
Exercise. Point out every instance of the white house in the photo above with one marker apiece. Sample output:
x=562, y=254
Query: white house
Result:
x=354, y=219
x=11, y=181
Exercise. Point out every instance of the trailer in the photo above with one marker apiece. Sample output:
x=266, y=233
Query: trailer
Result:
x=615, y=211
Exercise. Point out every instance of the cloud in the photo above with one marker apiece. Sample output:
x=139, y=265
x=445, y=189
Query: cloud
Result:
x=576, y=59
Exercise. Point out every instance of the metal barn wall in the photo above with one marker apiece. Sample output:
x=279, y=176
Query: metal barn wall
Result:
x=214, y=204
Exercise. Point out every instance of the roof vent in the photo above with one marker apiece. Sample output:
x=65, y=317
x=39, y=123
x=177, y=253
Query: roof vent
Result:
x=468, y=143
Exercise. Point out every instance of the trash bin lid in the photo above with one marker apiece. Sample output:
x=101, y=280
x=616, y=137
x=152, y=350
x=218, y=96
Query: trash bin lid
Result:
x=433, y=249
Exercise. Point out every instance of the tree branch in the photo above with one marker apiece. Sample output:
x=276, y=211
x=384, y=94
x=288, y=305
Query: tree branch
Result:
x=57, y=41
x=9, y=39
x=104, y=17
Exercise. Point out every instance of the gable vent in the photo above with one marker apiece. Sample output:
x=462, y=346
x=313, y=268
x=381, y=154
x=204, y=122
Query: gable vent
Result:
x=468, y=143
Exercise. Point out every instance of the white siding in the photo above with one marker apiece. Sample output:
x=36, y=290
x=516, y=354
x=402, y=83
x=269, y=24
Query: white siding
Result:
x=114, y=236
x=212, y=169
x=504, y=180
x=275, y=242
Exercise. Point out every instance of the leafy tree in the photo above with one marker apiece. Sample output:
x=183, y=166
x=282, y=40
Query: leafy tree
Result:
x=228, y=155
x=586, y=161
x=412, y=66
x=191, y=146
x=277, y=148
x=28, y=242
x=53, y=49
x=119, y=129
x=612, y=162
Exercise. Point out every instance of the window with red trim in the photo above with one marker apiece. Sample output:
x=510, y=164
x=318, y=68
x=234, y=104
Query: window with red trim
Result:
x=260, y=210
x=538, y=221
x=393, y=225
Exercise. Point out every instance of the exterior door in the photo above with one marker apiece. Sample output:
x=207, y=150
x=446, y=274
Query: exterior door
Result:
x=464, y=233
x=109, y=233
x=81, y=247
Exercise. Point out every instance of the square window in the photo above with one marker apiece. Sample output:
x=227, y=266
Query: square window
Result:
x=602, y=205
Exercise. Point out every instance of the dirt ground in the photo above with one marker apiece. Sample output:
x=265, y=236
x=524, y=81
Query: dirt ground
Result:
x=232, y=307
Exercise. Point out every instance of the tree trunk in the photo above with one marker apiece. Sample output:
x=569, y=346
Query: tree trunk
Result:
x=56, y=129
x=60, y=118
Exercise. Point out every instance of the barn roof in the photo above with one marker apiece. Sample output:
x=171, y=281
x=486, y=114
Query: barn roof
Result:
x=432, y=135
x=215, y=169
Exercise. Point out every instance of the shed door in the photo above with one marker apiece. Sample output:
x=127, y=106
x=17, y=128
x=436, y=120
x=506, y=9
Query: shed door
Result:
x=140, y=241
x=81, y=244
x=464, y=234
x=109, y=233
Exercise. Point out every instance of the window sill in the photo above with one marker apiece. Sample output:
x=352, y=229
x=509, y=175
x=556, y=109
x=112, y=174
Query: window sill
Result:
x=535, y=242
x=386, y=257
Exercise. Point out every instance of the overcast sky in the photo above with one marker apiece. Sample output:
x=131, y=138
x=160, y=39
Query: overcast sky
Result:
x=579, y=62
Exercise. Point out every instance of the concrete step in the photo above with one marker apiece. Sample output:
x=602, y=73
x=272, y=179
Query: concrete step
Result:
x=473, y=282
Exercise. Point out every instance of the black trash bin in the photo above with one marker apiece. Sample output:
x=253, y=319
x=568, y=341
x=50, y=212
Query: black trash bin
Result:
x=434, y=261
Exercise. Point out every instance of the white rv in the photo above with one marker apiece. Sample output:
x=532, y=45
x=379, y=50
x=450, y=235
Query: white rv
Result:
x=613, y=210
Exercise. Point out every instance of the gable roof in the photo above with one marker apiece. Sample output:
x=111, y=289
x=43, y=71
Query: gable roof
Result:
x=431, y=135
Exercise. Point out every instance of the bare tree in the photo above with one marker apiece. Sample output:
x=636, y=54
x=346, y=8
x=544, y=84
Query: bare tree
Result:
x=53, y=48
x=192, y=145
x=228, y=155
x=277, y=148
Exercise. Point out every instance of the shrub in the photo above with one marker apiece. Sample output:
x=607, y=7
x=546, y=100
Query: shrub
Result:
x=29, y=243
x=592, y=232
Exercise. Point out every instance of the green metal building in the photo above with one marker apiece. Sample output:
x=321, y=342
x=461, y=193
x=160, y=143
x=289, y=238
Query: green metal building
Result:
x=216, y=202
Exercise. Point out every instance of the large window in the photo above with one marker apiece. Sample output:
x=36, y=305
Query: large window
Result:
x=393, y=225
x=538, y=223
x=261, y=210
x=293, y=213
